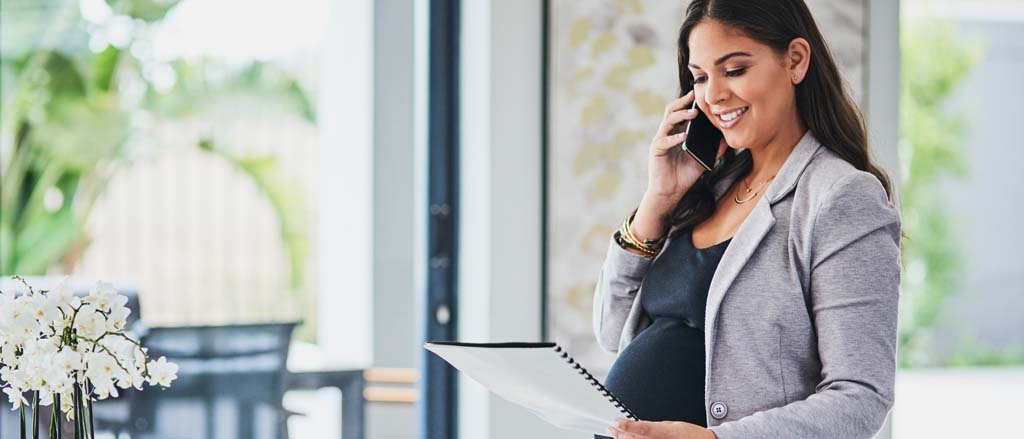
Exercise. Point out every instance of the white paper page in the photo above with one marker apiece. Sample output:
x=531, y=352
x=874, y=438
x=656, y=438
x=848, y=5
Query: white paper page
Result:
x=537, y=378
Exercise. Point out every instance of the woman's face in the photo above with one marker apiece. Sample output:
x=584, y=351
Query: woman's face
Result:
x=735, y=75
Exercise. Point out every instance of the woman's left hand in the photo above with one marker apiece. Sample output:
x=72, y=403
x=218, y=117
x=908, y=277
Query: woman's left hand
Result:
x=626, y=429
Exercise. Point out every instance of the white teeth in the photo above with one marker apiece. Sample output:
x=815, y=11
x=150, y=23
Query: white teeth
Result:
x=730, y=116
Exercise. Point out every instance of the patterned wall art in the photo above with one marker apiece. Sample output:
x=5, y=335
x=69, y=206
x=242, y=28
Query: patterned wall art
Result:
x=611, y=69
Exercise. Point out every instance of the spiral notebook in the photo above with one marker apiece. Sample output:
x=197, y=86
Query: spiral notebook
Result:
x=541, y=377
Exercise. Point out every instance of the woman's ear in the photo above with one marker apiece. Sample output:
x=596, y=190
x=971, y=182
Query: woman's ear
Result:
x=798, y=59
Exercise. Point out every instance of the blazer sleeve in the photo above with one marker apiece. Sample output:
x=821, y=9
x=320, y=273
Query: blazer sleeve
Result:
x=854, y=294
x=617, y=286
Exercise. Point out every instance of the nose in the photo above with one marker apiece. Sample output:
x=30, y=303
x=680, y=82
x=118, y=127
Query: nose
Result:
x=715, y=91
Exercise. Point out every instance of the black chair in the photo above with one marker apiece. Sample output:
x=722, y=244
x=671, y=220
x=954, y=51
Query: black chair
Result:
x=231, y=381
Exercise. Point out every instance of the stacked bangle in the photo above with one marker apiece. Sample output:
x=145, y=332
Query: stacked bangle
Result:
x=625, y=238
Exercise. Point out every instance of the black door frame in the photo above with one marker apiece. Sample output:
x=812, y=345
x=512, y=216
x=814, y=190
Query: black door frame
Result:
x=439, y=407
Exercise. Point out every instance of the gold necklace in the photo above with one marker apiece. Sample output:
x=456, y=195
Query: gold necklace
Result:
x=737, y=196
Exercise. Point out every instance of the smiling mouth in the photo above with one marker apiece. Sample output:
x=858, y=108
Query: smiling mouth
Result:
x=730, y=119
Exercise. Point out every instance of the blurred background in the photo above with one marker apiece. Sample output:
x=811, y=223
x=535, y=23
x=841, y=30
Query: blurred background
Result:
x=297, y=194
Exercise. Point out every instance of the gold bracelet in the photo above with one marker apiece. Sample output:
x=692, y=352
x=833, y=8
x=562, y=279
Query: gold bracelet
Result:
x=621, y=241
x=629, y=237
x=653, y=244
x=625, y=238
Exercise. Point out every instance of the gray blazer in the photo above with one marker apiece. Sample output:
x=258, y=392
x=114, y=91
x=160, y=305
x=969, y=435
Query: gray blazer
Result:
x=800, y=324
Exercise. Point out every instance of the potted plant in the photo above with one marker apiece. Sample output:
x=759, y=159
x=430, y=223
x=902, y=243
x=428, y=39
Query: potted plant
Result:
x=65, y=351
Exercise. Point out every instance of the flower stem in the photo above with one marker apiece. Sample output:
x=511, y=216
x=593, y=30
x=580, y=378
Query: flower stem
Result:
x=96, y=344
x=92, y=425
x=55, y=417
x=35, y=415
x=82, y=397
x=75, y=402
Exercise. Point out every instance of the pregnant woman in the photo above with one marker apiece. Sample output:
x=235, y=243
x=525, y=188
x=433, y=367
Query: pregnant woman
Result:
x=758, y=299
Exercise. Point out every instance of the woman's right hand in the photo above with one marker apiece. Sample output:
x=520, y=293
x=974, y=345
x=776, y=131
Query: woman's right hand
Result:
x=670, y=171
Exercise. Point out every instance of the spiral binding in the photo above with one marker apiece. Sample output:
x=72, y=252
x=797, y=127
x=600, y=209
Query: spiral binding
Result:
x=593, y=381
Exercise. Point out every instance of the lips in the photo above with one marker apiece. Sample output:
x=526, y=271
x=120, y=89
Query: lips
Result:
x=730, y=118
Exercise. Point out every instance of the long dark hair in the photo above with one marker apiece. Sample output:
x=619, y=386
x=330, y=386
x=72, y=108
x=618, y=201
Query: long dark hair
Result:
x=822, y=104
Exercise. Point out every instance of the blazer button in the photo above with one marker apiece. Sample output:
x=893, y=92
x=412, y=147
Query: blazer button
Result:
x=719, y=410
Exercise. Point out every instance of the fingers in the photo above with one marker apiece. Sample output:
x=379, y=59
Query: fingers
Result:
x=615, y=433
x=676, y=117
x=679, y=103
x=665, y=142
x=675, y=112
x=626, y=429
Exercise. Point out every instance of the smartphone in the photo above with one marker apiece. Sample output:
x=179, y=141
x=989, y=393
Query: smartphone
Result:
x=702, y=139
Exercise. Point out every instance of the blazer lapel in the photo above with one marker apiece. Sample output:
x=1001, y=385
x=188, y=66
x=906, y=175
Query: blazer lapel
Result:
x=754, y=227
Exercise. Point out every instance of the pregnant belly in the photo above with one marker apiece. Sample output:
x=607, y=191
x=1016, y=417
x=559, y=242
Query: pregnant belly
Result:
x=660, y=373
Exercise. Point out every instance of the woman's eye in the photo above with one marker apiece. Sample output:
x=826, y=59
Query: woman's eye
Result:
x=735, y=73
x=728, y=73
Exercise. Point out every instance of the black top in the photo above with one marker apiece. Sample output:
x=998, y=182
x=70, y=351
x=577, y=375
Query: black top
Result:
x=660, y=373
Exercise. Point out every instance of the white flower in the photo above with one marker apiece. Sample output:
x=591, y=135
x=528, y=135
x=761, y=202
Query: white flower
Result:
x=60, y=323
x=40, y=347
x=24, y=304
x=44, y=309
x=64, y=298
x=68, y=361
x=9, y=375
x=162, y=372
x=133, y=379
x=139, y=356
x=89, y=322
x=67, y=404
x=15, y=397
x=58, y=382
x=9, y=356
x=104, y=296
x=102, y=371
x=45, y=398
x=100, y=365
x=117, y=321
x=104, y=388
x=7, y=310
x=23, y=328
x=36, y=360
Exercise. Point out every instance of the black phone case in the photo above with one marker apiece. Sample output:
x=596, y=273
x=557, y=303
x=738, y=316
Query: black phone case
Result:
x=702, y=139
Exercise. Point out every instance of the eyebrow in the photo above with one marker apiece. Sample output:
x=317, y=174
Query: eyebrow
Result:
x=724, y=58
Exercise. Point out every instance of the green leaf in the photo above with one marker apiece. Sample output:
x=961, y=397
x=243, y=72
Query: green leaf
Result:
x=104, y=65
x=82, y=133
x=275, y=82
x=196, y=88
x=34, y=206
x=44, y=242
x=62, y=77
x=148, y=10
x=7, y=260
